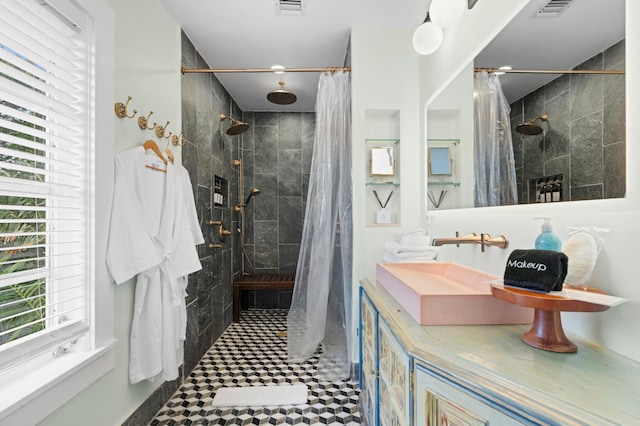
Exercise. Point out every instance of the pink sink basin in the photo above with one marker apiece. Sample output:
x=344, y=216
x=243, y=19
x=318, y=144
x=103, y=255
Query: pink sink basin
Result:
x=441, y=293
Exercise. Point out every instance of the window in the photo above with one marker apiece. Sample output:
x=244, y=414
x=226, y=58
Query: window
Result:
x=56, y=179
x=45, y=142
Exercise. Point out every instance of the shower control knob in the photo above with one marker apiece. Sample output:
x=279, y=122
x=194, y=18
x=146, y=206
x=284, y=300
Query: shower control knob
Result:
x=223, y=233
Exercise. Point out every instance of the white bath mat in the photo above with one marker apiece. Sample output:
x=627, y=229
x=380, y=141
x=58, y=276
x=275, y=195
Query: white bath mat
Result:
x=254, y=396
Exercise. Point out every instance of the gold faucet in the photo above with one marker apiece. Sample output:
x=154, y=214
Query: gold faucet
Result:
x=472, y=238
x=500, y=241
x=485, y=240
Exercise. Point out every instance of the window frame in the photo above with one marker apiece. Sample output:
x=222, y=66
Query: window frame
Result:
x=35, y=389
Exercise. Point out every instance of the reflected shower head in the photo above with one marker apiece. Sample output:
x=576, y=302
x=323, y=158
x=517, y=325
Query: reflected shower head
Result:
x=530, y=128
x=281, y=96
x=236, y=127
x=254, y=191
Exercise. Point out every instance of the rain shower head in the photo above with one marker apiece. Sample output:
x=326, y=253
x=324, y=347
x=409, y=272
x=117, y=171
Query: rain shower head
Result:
x=530, y=128
x=254, y=191
x=281, y=96
x=236, y=127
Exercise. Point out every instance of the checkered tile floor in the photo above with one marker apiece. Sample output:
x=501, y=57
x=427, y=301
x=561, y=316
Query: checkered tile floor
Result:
x=254, y=352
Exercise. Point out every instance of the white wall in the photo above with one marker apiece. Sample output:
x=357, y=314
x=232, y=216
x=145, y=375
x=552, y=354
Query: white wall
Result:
x=384, y=77
x=147, y=60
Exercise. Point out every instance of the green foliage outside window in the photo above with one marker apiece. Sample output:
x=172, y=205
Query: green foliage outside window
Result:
x=22, y=243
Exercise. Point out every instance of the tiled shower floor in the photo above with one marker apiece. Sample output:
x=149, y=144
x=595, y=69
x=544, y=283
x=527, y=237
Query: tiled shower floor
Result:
x=254, y=352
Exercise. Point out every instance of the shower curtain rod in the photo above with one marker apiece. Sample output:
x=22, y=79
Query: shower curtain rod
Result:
x=254, y=70
x=551, y=71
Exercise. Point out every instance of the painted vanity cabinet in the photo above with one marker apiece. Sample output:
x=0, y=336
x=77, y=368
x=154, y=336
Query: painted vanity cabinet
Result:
x=368, y=399
x=386, y=372
x=483, y=374
x=438, y=401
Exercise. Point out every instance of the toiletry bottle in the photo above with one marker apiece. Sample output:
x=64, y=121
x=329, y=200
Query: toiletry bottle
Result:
x=547, y=240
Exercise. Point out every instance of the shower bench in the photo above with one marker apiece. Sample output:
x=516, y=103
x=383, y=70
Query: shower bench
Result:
x=259, y=282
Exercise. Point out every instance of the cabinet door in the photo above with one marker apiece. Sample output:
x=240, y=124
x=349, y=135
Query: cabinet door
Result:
x=394, y=379
x=368, y=360
x=439, y=402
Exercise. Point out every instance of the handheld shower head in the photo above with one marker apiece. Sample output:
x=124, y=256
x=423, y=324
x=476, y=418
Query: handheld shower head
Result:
x=236, y=127
x=254, y=191
x=530, y=128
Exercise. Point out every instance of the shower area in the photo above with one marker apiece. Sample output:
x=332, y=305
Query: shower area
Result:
x=263, y=160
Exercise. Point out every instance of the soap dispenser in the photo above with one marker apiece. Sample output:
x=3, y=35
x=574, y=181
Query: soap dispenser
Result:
x=547, y=240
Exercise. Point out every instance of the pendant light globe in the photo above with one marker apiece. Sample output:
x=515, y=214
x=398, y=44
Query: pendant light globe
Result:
x=427, y=38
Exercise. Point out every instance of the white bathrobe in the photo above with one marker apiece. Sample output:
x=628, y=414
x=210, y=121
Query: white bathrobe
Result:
x=153, y=233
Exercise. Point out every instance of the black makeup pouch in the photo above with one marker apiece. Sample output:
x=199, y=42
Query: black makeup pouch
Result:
x=537, y=270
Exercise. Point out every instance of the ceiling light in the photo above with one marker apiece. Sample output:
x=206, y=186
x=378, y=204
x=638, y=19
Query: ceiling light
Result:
x=427, y=37
x=278, y=69
x=446, y=13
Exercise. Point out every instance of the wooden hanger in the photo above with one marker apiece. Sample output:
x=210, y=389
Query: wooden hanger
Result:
x=152, y=145
x=170, y=155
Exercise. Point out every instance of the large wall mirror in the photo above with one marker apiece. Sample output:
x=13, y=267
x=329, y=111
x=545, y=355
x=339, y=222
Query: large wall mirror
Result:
x=567, y=130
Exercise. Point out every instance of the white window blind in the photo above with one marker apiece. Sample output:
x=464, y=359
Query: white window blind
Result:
x=45, y=177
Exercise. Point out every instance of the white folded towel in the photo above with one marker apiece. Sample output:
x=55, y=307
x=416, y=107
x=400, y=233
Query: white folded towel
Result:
x=394, y=247
x=415, y=240
x=414, y=233
x=430, y=254
x=389, y=258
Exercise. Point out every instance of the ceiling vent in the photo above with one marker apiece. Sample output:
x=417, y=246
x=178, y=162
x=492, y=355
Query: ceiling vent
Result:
x=290, y=7
x=553, y=8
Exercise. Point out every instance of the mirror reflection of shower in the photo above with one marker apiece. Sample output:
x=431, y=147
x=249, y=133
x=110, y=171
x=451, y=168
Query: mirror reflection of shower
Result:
x=530, y=128
x=241, y=208
x=236, y=127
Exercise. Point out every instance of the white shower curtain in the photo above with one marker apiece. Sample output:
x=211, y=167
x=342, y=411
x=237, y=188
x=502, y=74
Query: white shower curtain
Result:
x=320, y=311
x=495, y=173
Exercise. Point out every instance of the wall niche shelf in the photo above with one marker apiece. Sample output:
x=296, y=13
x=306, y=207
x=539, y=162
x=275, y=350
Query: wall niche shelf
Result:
x=444, y=159
x=382, y=174
x=453, y=141
x=382, y=184
x=436, y=183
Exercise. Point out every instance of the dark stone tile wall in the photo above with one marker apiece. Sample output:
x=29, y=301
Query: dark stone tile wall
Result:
x=209, y=152
x=584, y=138
x=276, y=157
